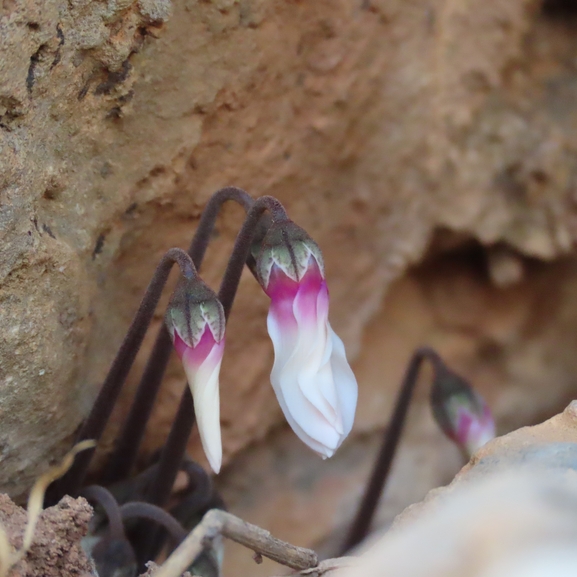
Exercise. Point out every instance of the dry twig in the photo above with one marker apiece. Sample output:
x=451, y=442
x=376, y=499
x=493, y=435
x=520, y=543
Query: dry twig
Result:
x=217, y=522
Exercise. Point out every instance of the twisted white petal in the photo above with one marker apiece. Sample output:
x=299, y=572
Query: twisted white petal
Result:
x=202, y=372
x=311, y=377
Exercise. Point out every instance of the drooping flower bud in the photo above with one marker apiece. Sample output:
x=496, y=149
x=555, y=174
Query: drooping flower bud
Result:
x=195, y=320
x=311, y=377
x=461, y=412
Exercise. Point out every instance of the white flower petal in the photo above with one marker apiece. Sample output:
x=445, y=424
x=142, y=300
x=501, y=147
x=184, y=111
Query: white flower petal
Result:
x=204, y=385
x=345, y=383
x=303, y=417
x=315, y=445
x=327, y=384
x=311, y=377
x=311, y=354
x=285, y=329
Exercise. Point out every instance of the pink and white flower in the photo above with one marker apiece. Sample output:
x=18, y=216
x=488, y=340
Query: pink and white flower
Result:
x=461, y=412
x=311, y=377
x=195, y=320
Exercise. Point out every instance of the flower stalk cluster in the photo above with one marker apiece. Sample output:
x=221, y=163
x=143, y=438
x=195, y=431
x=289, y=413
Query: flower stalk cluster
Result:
x=311, y=377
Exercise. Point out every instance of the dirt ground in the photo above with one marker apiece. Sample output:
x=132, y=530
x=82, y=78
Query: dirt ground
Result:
x=56, y=549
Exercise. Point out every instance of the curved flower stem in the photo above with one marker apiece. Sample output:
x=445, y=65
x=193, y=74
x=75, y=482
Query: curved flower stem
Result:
x=113, y=551
x=96, y=422
x=139, y=509
x=175, y=446
x=199, y=485
x=366, y=511
x=242, y=245
x=124, y=455
x=197, y=497
x=102, y=496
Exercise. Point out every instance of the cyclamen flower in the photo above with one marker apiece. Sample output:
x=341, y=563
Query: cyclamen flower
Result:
x=461, y=412
x=311, y=377
x=195, y=320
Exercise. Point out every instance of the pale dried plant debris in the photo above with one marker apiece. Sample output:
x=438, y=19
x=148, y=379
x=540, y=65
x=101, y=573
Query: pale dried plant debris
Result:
x=327, y=567
x=217, y=522
x=9, y=557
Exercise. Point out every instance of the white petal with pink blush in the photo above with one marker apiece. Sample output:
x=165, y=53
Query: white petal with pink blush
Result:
x=202, y=367
x=312, y=379
x=195, y=321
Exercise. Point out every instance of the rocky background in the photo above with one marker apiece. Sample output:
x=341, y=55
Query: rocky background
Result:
x=509, y=513
x=429, y=146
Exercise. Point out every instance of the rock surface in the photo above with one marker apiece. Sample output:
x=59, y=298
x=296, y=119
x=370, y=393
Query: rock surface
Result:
x=549, y=446
x=396, y=133
x=517, y=524
x=510, y=511
x=56, y=549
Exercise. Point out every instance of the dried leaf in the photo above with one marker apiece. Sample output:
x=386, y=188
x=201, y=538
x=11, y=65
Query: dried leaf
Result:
x=37, y=494
x=5, y=553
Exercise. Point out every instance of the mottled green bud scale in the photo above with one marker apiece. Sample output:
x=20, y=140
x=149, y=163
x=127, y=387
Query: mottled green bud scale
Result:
x=193, y=306
x=451, y=394
x=289, y=247
x=213, y=315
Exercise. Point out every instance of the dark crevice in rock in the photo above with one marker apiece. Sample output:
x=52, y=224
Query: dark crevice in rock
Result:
x=560, y=10
x=98, y=246
x=114, y=78
x=34, y=59
x=61, y=40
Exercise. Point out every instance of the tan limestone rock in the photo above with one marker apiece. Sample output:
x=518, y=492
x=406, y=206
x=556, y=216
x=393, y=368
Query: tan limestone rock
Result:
x=510, y=511
x=516, y=523
x=56, y=550
x=376, y=123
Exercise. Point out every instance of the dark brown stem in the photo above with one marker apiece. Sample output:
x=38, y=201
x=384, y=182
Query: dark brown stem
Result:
x=242, y=245
x=174, y=449
x=197, y=498
x=96, y=422
x=142, y=510
x=124, y=456
x=102, y=496
x=199, y=482
x=366, y=511
x=175, y=446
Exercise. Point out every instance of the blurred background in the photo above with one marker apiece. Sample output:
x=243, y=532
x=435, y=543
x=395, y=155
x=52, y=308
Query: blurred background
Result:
x=428, y=146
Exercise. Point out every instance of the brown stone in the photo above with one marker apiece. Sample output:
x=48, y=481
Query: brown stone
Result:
x=510, y=511
x=398, y=134
x=56, y=549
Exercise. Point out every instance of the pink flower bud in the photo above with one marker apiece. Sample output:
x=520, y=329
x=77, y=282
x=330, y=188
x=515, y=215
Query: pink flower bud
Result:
x=311, y=377
x=461, y=412
x=195, y=320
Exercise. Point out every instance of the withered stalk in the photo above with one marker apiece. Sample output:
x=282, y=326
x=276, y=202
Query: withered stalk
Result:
x=216, y=523
x=175, y=446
